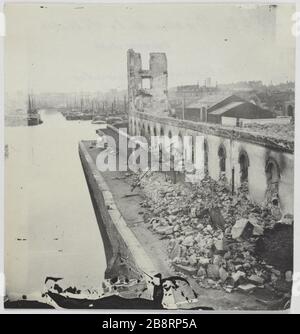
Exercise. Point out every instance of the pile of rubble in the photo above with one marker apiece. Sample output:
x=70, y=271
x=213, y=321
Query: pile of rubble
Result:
x=213, y=234
x=282, y=131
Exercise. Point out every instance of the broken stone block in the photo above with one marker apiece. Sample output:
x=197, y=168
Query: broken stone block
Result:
x=188, y=241
x=185, y=269
x=254, y=279
x=217, y=260
x=175, y=252
x=203, y=261
x=219, y=244
x=223, y=274
x=246, y=287
x=200, y=227
x=193, y=259
x=213, y=271
x=237, y=276
x=164, y=230
x=201, y=272
x=241, y=228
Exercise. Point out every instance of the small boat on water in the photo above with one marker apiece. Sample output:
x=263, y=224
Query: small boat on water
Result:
x=33, y=116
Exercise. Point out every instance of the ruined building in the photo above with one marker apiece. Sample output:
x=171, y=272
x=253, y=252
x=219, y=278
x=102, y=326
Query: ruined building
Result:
x=148, y=88
x=266, y=162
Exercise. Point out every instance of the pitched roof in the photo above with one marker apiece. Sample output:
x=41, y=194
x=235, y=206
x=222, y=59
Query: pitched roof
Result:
x=208, y=100
x=242, y=110
x=225, y=108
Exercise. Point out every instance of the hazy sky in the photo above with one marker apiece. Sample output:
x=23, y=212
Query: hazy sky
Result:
x=66, y=48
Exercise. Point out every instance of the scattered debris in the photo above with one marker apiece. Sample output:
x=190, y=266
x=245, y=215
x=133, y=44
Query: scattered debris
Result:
x=222, y=240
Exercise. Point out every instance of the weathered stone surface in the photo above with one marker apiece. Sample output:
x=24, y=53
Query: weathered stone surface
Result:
x=219, y=244
x=246, y=287
x=213, y=271
x=185, y=268
x=239, y=228
x=175, y=252
x=188, y=241
x=201, y=272
x=164, y=229
x=203, y=261
x=223, y=274
x=237, y=276
x=256, y=280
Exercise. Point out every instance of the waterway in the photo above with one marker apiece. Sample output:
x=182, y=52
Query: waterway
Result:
x=50, y=225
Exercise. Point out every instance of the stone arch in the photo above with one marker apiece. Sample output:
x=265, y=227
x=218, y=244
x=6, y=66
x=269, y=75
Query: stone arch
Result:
x=244, y=165
x=272, y=170
x=222, y=158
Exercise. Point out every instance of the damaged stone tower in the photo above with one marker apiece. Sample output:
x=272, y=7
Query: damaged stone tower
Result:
x=148, y=88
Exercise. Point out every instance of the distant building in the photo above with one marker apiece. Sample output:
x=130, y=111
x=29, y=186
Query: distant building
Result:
x=226, y=110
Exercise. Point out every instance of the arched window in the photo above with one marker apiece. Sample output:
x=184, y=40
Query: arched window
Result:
x=143, y=131
x=138, y=129
x=205, y=156
x=135, y=129
x=162, y=133
x=149, y=131
x=222, y=158
x=273, y=175
x=244, y=165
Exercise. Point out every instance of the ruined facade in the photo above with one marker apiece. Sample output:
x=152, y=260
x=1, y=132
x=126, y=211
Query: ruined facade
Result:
x=147, y=88
x=266, y=163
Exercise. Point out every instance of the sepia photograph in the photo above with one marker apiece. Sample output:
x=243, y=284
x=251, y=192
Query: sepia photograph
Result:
x=149, y=156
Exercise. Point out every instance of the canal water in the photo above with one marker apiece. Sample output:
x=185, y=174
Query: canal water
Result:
x=50, y=225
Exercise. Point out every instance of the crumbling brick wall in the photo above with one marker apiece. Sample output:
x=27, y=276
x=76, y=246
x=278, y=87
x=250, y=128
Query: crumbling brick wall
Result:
x=152, y=98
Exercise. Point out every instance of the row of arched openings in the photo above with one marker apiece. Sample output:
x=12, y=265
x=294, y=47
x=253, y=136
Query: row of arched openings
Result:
x=272, y=169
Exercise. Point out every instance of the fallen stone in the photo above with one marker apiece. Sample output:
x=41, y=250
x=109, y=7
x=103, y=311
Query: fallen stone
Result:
x=193, y=259
x=185, y=269
x=188, y=241
x=175, y=252
x=213, y=271
x=164, y=230
x=200, y=227
x=219, y=244
x=223, y=274
x=237, y=276
x=241, y=228
x=246, y=287
x=203, y=261
x=254, y=279
x=201, y=272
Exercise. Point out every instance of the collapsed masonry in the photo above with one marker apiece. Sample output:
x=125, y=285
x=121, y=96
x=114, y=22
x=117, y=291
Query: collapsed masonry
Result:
x=221, y=240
